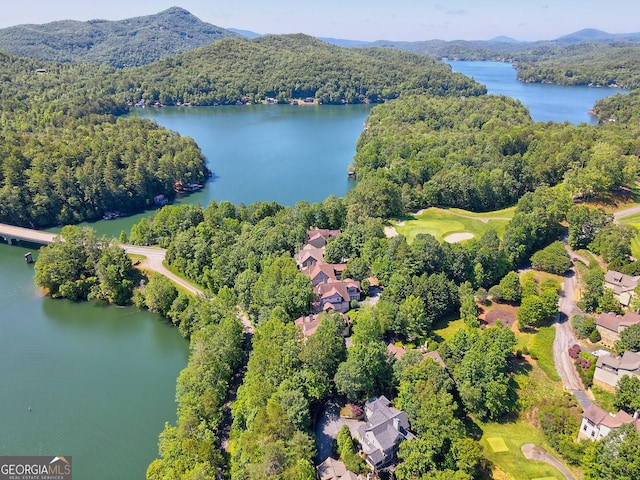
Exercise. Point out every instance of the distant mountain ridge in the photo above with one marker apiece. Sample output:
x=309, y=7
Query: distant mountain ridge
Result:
x=133, y=41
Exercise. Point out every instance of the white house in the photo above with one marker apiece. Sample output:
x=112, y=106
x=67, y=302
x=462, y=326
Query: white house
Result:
x=597, y=423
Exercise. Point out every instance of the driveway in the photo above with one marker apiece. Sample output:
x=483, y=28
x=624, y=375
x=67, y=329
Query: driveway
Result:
x=327, y=428
x=565, y=338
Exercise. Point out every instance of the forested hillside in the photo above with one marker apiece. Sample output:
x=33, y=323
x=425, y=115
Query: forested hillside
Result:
x=287, y=67
x=483, y=153
x=133, y=41
x=67, y=157
x=602, y=65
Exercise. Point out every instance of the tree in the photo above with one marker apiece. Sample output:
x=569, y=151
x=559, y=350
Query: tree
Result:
x=593, y=283
x=159, y=294
x=413, y=315
x=628, y=394
x=367, y=371
x=552, y=259
x=116, y=275
x=468, y=307
x=615, y=456
x=629, y=339
x=584, y=224
x=377, y=196
x=510, y=287
x=584, y=325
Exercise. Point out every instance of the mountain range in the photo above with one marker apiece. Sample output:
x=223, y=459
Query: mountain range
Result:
x=142, y=40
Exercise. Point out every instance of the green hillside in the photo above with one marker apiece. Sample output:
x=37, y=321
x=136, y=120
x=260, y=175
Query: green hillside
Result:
x=133, y=41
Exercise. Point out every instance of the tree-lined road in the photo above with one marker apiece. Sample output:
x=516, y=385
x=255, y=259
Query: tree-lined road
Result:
x=155, y=256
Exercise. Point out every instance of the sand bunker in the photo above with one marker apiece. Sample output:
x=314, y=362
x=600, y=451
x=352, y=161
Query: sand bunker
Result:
x=390, y=232
x=458, y=237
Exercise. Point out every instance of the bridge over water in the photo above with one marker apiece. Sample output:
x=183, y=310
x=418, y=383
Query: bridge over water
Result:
x=155, y=256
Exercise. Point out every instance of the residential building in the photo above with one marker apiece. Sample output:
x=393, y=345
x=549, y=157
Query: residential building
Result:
x=622, y=286
x=309, y=323
x=383, y=430
x=597, y=423
x=318, y=237
x=609, y=369
x=611, y=325
x=332, y=469
x=338, y=294
x=308, y=256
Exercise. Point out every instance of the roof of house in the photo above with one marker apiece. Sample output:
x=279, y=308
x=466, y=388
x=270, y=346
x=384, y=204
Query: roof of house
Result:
x=332, y=469
x=613, y=322
x=621, y=282
x=384, y=428
x=322, y=233
x=436, y=356
x=309, y=323
x=337, y=287
x=629, y=361
x=323, y=268
x=598, y=416
x=307, y=252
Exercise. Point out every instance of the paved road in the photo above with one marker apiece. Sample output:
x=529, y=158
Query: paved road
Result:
x=626, y=212
x=534, y=452
x=565, y=338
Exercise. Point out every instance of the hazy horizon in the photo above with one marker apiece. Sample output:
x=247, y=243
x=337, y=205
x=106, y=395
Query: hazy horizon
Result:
x=402, y=20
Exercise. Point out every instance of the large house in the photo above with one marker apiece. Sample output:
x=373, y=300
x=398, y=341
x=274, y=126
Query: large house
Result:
x=622, y=286
x=609, y=370
x=597, y=423
x=308, y=256
x=332, y=469
x=338, y=294
x=318, y=237
x=610, y=326
x=383, y=430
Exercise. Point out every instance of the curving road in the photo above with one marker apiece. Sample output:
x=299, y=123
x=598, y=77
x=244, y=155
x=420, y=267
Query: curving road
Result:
x=534, y=452
x=565, y=337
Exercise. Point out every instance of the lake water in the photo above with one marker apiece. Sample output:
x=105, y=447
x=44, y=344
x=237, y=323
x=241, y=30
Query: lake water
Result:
x=282, y=153
x=100, y=380
x=547, y=103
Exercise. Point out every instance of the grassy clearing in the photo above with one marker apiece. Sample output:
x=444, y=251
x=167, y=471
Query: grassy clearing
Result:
x=604, y=398
x=542, y=350
x=512, y=460
x=634, y=220
x=499, y=214
x=497, y=444
x=445, y=328
x=441, y=223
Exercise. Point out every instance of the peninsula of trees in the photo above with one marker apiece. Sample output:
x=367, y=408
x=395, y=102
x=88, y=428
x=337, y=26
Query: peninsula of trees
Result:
x=67, y=155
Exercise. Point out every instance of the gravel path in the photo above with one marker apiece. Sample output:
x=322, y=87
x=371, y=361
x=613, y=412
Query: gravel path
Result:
x=534, y=452
x=626, y=212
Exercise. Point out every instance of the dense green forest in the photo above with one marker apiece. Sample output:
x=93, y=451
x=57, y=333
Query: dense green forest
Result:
x=65, y=156
x=133, y=41
x=289, y=67
x=483, y=153
x=586, y=64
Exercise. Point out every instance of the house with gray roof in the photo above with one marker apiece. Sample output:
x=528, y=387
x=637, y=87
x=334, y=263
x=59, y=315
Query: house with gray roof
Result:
x=609, y=369
x=383, y=430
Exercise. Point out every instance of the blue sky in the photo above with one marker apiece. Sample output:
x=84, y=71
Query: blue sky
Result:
x=359, y=19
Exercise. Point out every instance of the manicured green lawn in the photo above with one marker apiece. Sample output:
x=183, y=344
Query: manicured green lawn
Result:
x=635, y=242
x=513, y=461
x=499, y=214
x=440, y=223
x=447, y=327
x=542, y=348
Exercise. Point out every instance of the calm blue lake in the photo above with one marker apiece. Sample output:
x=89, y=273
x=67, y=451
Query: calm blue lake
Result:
x=282, y=153
x=547, y=103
